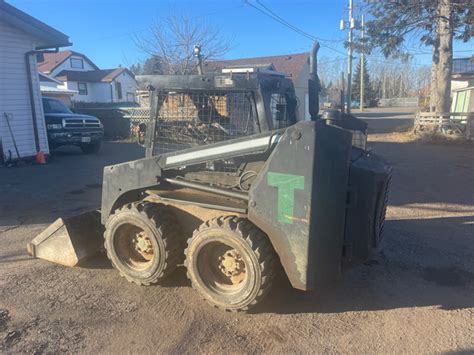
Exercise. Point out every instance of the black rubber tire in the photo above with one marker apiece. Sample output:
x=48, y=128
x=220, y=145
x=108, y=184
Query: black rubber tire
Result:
x=163, y=233
x=92, y=148
x=254, y=248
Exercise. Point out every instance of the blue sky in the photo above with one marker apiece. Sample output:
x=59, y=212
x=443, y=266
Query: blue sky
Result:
x=105, y=29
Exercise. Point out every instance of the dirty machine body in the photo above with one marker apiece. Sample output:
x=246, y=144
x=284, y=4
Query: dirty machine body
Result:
x=234, y=185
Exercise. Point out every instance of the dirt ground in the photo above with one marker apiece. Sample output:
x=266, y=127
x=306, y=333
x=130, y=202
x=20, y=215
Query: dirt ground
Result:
x=416, y=297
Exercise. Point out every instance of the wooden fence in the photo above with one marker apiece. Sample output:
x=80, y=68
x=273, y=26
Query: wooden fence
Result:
x=449, y=123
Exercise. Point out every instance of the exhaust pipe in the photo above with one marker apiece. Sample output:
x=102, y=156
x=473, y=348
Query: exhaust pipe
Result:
x=313, y=83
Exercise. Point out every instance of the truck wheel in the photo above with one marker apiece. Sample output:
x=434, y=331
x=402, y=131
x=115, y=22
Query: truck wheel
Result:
x=230, y=263
x=90, y=148
x=142, y=242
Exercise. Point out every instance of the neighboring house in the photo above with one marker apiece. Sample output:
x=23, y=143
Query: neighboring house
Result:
x=80, y=74
x=55, y=89
x=462, y=85
x=463, y=73
x=296, y=66
x=463, y=100
x=20, y=99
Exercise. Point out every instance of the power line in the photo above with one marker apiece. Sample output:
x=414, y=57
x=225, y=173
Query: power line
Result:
x=294, y=27
x=271, y=14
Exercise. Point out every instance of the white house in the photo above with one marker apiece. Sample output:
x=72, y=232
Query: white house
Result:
x=463, y=73
x=92, y=84
x=22, y=123
x=55, y=89
x=462, y=85
x=296, y=66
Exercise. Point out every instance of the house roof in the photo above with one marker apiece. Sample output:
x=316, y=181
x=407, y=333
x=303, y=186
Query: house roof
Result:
x=463, y=76
x=463, y=65
x=56, y=90
x=104, y=75
x=53, y=60
x=48, y=36
x=290, y=64
x=45, y=78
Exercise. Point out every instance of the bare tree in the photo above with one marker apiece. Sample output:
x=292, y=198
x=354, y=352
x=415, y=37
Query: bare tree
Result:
x=173, y=40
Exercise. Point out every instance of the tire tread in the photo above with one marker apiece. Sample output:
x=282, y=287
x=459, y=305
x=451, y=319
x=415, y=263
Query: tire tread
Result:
x=258, y=243
x=168, y=228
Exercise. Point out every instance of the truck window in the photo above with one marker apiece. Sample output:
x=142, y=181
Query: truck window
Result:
x=55, y=106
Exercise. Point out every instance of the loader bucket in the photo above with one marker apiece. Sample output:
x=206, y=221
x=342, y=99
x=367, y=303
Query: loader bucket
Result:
x=68, y=241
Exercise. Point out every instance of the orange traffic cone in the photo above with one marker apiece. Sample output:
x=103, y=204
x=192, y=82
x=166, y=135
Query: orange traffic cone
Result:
x=40, y=158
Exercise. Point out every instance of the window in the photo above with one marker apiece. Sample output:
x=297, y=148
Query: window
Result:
x=82, y=88
x=463, y=65
x=77, y=63
x=54, y=106
x=461, y=101
x=118, y=90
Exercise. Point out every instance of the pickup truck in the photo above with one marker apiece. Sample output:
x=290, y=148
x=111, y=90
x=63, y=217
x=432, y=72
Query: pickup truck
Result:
x=67, y=128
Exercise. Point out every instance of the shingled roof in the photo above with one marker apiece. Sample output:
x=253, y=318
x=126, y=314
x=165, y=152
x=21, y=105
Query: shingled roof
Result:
x=53, y=60
x=104, y=75
x=290, y=64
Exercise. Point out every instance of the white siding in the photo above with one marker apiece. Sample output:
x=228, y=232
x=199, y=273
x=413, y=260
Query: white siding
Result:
x=96, y=92
x=129, y=85
x=101, y=92
x=66, y=65
x=14, y=93
x=50, y=84
x=461, y=84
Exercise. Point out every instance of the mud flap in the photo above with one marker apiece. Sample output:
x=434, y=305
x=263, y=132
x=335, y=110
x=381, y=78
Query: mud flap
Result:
x=68, y=241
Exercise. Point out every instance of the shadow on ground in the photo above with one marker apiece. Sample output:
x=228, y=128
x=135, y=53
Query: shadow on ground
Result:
x=397, y=278
x=420, y=275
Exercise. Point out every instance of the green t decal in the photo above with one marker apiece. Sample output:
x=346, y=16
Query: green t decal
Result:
x=286, y=184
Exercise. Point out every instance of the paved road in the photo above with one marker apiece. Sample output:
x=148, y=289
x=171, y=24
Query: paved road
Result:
x=386, y=120
x=416, y=297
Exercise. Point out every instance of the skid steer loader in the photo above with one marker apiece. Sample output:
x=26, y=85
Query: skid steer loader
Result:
x=234, y=185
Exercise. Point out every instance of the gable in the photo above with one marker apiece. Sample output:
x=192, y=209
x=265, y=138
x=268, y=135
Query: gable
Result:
x=52, y=61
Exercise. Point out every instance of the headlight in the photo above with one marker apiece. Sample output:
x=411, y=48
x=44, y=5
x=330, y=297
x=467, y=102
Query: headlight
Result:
x=55, y=126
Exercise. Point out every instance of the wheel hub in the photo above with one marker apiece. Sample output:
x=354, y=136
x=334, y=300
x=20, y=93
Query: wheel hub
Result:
x=232, y=266
x=142, y=244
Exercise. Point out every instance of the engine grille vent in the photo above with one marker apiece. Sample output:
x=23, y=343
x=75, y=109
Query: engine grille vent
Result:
x=380, y=211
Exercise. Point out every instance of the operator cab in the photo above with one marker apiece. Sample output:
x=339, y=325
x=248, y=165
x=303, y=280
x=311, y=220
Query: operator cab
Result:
x=192, y=110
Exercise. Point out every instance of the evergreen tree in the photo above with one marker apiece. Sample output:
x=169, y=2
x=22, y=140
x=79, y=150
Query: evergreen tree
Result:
x=436, y=23
x=136, y=69
x=153, y=65
x=369, y=95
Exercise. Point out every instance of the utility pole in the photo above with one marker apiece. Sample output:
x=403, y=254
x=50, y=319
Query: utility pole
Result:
x=362, y=89
x=349, y=60
x=342, y=91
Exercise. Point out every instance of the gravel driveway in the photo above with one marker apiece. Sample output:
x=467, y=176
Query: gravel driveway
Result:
x=416, y=297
